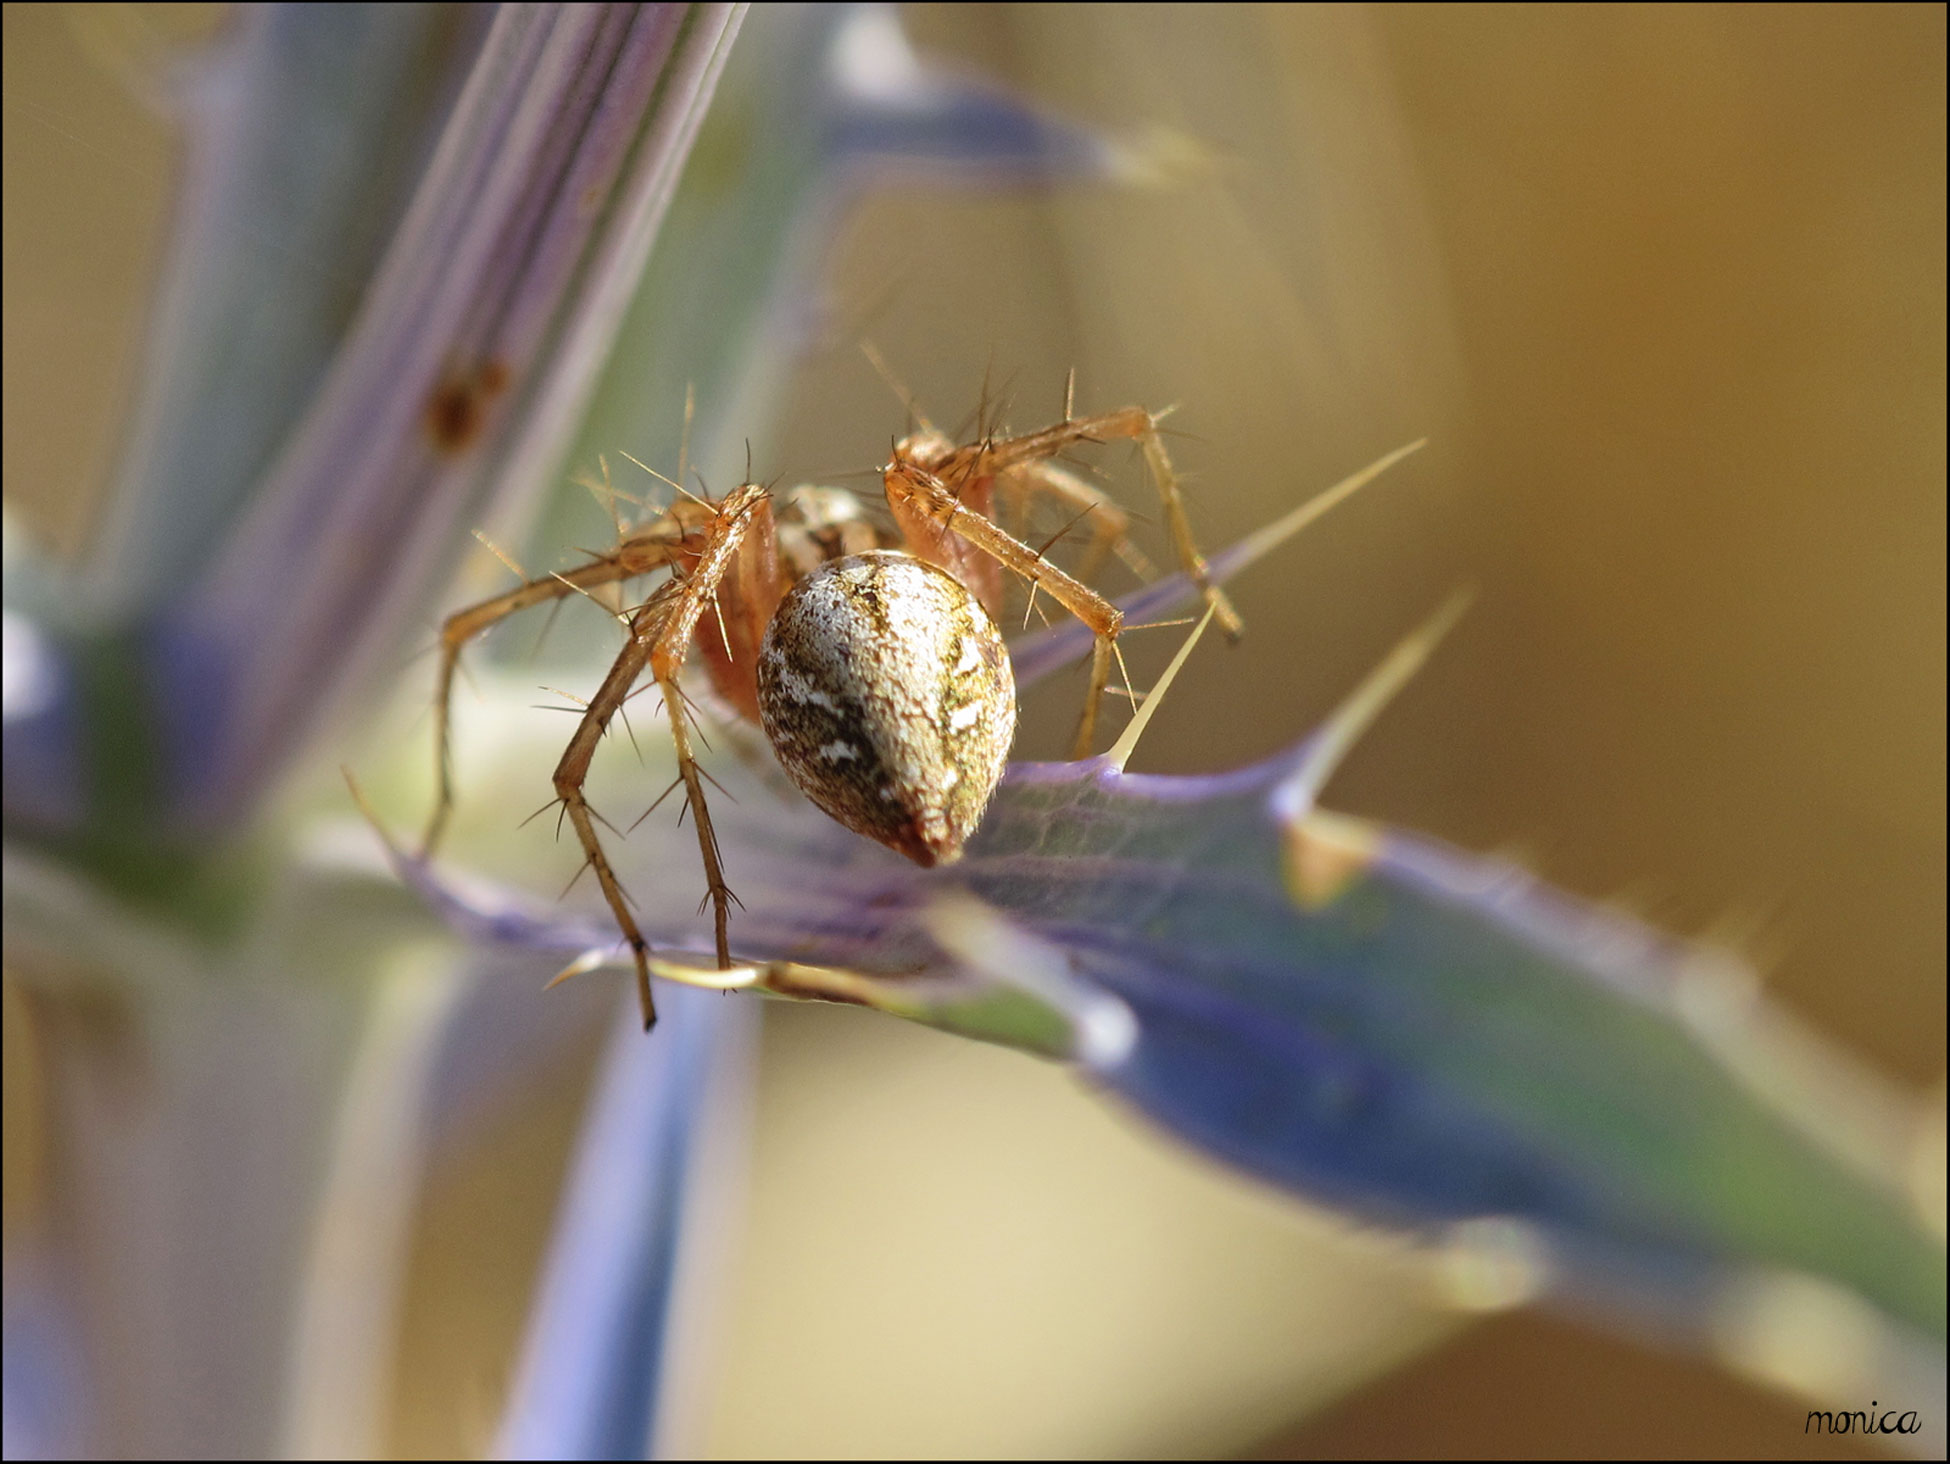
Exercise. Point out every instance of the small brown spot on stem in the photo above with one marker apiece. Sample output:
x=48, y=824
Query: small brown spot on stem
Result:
x=457, y=412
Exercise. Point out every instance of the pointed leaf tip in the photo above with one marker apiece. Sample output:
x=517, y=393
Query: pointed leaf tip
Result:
x=1329, y=746
x=1126, y=744
x=1262, y=541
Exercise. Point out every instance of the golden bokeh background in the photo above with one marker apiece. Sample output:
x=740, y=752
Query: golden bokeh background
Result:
x=1665, y=286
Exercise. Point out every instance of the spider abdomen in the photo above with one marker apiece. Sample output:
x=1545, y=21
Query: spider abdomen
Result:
x=887, y=693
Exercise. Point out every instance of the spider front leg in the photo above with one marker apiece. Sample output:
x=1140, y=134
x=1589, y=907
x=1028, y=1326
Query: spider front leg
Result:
x=926, y=509
x=1109, y=524
x=1140, y=426
x=660, y=636
x=460, y=628
x=651, y=547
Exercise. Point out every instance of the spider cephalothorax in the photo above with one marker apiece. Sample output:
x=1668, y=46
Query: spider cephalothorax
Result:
x=876, y=671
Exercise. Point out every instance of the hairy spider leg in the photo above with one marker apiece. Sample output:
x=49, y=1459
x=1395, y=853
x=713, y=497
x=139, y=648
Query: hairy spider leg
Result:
x=931, y=532
x=1140, y=426
x=660, y=636
x=655, y=545
x=1109, y=524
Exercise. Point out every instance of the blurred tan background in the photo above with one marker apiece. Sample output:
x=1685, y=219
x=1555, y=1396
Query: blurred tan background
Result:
x=1666, y=288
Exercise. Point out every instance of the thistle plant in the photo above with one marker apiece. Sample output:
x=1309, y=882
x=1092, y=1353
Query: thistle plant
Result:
x=257, y=1015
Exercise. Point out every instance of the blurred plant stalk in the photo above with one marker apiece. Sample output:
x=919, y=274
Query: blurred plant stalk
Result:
x=408, y=238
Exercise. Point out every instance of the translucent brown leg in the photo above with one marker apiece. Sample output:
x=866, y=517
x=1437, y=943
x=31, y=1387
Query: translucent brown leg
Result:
x=660, y=636
x=1137, y=425
x=1109, y=524
x=654, y=546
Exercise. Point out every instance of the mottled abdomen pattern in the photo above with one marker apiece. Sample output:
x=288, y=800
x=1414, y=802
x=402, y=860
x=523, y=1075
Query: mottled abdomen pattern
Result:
x=887, y=693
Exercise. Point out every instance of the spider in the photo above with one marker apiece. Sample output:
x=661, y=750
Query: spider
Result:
x=868, y=656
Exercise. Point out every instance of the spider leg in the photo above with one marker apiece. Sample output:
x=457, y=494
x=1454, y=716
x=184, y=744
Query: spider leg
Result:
x=660, y=635
x=654, y=546
x=1137, y=425
x=1189, y=559
x=1109, y=524
x=744, y=511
